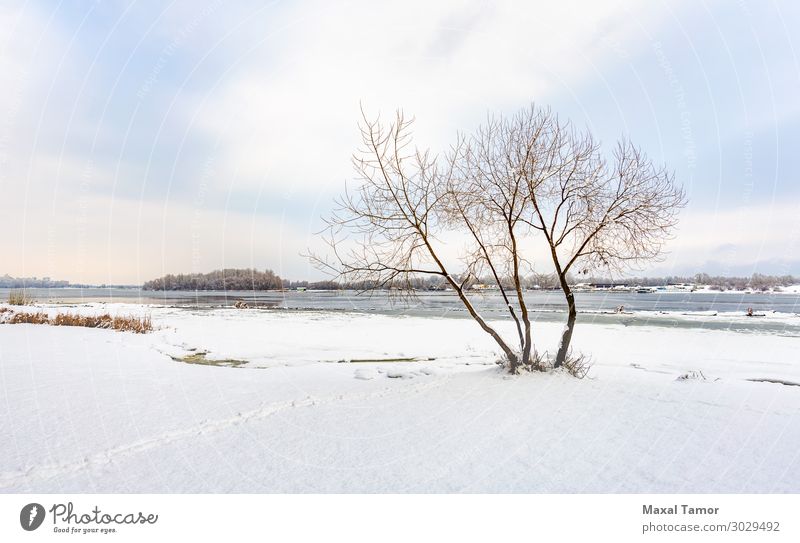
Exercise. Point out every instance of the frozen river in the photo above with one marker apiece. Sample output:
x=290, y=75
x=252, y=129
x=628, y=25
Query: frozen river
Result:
x=713, y=310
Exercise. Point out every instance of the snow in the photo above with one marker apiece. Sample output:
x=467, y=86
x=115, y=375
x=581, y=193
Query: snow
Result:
x=708, y=289
x=663, y=409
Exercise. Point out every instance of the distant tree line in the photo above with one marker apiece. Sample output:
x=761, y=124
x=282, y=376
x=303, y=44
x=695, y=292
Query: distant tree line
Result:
x=251, y=279
x=228, y=279
x=544, y=281
x=757, y=281
x=6, y=281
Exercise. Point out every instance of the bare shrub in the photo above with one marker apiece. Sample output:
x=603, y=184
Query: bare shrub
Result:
x=19, y=297
x=577, y=365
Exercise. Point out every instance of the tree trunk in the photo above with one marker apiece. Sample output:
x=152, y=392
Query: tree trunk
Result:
x=526, y=350
x=566, y=336
x=513, y=360
x=527, y=343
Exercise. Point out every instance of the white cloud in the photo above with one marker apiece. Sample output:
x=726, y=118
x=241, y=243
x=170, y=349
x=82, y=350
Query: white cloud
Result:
x=735, y=241
x=286, y=113
x=277, y=109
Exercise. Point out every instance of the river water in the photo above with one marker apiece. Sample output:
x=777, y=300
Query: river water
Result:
x=777, y=313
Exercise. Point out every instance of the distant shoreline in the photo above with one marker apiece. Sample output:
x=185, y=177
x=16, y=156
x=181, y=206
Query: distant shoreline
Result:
x=251, y=280
x=701, y=289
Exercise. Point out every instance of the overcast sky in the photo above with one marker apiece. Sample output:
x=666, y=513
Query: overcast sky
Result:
x=143, y=138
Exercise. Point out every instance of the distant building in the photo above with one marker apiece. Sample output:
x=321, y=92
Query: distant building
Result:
x=483, y=286
x=6, y=281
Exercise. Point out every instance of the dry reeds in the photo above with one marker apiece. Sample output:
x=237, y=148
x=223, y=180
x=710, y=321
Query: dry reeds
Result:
x=138, y=325
x=19, y=297
x=29, y=318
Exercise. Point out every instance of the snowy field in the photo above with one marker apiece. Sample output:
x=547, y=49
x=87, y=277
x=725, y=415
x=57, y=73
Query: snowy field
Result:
x=295, y=401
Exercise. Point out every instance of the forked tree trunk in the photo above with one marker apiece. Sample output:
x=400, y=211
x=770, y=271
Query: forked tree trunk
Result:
x=513, y=360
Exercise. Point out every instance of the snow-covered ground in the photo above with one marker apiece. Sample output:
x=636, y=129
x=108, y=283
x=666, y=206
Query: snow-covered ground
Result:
x=86, y=410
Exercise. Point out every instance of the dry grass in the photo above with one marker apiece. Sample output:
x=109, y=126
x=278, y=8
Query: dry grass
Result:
x=537, y=362
x=577, y=365
x=139, y=325
x=29, y=318
x=19, y=297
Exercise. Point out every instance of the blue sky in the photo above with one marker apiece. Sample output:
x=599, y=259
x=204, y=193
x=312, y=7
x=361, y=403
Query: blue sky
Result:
x=142, y=138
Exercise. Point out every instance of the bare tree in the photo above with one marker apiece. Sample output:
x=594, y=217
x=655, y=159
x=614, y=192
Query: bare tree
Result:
x=487, y=199
x=593, y=214
x=384, y=232
x=515, y=178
